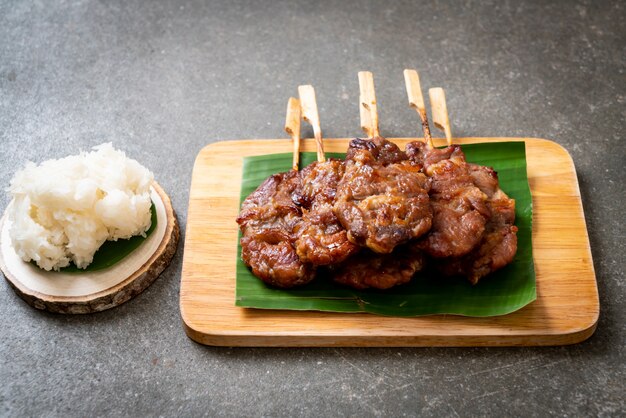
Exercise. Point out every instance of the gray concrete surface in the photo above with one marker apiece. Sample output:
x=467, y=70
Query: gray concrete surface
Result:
x=163, y=79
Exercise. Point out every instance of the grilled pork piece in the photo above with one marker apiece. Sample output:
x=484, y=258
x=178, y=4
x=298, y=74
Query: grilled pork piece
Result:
x=321, y=240
x=384, y=152
x=460, y=210
x=499, y=243
x=267, y=220
x=380, y=271
x=382, y=198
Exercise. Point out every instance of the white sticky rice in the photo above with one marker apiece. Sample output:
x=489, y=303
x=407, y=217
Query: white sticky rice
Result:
x=64, y=210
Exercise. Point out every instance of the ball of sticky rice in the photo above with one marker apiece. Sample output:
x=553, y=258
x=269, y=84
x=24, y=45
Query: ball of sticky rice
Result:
x=64, y=210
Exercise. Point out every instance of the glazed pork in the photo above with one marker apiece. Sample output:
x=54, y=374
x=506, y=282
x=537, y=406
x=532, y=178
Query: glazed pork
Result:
x=380, y=271
x=376, y=218
x=268, y=221
x=321, y=239
x=382, y=198
x=498, y=245
x=460, y=210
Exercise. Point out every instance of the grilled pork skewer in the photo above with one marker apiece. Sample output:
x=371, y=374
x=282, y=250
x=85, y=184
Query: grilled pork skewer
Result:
x=382, y=199
x=498, y=245
x=369, y=269
x=268, y=219
x=383, y=151
x=459, y=207
x=321, y=238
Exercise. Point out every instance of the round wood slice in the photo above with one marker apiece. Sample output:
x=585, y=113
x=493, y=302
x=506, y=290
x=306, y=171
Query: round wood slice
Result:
x=98, y=290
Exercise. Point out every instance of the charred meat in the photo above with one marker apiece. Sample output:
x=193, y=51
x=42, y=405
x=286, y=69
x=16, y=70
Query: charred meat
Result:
x=267, y=220
x=460, y=210
x=321, y=239
x=499, y=243
x=380, y=201
x=383, y=151
x=380, y=271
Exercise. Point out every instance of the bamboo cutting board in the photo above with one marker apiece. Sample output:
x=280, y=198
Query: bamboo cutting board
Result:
x=565, y=312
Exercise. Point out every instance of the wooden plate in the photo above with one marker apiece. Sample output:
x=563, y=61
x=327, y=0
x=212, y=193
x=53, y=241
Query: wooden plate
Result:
x=565, y=312
x=98, y=290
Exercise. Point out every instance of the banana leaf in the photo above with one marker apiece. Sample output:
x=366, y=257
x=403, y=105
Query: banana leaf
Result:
x=500, y=293
x=112, y=252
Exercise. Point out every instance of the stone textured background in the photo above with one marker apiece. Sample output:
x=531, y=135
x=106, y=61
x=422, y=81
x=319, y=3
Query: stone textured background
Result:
x=162, y=79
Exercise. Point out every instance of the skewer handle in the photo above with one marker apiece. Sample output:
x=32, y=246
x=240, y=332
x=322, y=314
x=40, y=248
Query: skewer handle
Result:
x=416, y=101
x=366, y=121
x=309, y=113
x=368, y=100
x=440, y=111
x=292, y=127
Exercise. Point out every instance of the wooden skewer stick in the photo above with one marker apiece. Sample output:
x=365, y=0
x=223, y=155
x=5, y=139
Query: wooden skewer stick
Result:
x=366, y=120
x=368, y=101
x=309, y=113
x=440, y=111
x=292, y=127
x=416, y=101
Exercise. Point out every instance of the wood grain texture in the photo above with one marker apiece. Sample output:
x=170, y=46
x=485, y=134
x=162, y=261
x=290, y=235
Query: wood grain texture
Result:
x=308, y=102
x=129, y=285
x=439, y=111
x=565, y=312
x=416, y=101
x=292, y=127
x=367, y=98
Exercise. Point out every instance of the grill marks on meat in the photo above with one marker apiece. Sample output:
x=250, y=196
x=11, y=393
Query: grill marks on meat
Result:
x=382, y=199
x=499, y=243
x=380, y=271
x=321, y=240
x=267, y=221
x=460, y=210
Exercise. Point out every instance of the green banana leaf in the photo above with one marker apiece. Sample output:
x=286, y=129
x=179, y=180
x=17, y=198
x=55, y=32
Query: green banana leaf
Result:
x=500, y=293
x=112, y=252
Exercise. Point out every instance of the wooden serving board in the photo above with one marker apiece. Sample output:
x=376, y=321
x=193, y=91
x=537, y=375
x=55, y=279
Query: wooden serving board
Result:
x=565, y=312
